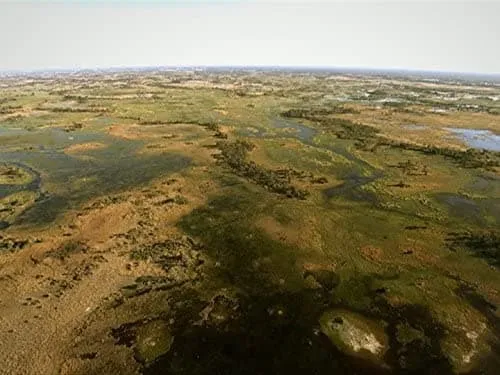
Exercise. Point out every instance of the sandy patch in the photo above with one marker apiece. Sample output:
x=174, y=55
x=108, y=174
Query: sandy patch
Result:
x=196, y=150
x=101, y=224
x=82, y=147
x=372, y=253
x=311, y=267
x=172, y=132
x=302, y=234
x=129, y=132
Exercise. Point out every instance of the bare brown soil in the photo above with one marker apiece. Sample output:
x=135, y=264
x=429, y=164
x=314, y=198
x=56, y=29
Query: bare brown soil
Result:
x=48, y=295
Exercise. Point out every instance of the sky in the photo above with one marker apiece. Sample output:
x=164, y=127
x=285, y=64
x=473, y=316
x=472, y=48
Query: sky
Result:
x=425, y=35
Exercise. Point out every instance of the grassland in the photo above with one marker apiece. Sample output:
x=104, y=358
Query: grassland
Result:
x=200, y=222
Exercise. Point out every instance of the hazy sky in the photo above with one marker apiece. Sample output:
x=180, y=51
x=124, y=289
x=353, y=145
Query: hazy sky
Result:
x=428, y=35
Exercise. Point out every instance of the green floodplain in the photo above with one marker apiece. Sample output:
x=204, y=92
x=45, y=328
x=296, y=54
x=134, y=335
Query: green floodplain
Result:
x=249, y=222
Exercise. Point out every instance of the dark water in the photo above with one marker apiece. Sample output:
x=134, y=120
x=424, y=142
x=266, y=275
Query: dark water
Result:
x=484, y=183
x=459, y=205
x=471, y=210
x=33, y=185
x=297, y=130
x=64, y=181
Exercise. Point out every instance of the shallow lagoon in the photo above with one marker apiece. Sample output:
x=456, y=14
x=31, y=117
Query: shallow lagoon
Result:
x=65, y=180
x=477, y=138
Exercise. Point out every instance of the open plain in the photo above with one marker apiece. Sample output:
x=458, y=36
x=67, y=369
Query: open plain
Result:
x=259, y=221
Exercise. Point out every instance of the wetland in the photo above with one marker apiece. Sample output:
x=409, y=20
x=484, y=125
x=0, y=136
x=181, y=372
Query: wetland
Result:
x=248, y=222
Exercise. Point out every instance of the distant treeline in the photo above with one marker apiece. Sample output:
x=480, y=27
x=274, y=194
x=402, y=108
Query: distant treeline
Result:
x=74, y=110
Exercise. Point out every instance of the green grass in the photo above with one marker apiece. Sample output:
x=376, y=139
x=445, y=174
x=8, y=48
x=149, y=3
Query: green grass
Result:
x=387, y=240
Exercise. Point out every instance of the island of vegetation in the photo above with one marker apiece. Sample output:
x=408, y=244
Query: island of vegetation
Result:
x=256, y=221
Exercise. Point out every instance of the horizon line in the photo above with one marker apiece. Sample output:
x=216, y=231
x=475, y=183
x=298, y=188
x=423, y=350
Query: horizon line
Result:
x=243, y=67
